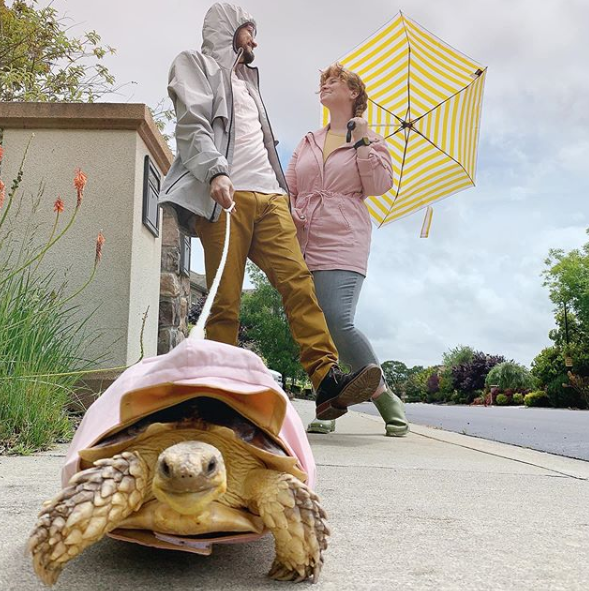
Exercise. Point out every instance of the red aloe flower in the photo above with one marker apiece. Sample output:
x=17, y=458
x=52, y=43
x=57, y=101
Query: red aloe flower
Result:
x=80, y=182
x=1, y=153
x=59, y=205
x=2, y=193
x=100, y=240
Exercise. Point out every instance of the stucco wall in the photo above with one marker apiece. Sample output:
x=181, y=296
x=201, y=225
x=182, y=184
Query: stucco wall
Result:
x=145, y=268
x=127, y=279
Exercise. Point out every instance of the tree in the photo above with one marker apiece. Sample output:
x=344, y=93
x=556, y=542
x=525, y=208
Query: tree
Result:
x=195, y=312
x=421, y=385
x=457, y=355
x=548, y=365
x=40, y=61
x=396, y=374
x=451, y=359
x=266, y=326
x=567, y=278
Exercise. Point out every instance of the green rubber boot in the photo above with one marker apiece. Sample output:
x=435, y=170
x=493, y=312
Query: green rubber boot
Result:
x=391, y=409
x=324, y=427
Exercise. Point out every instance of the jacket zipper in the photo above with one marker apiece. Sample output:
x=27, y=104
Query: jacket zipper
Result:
x=228, y=141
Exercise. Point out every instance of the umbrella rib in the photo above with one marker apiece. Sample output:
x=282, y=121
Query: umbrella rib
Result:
x=386, y=137
x=408, y=114
x=445, y=153
x=400, y=178
x=449, y=98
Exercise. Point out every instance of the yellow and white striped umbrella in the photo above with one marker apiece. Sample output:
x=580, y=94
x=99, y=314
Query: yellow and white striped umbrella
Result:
x=425, y=99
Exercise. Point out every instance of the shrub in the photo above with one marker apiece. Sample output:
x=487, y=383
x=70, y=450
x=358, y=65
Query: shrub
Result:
x=416, y=389
x=509, y=374
x=547, y=365
x=433, y=383
x=445, y=384
x=562, y=395
x=518, y=398
x=412, y=397
x=459, y=397
x=502, y=400
x=436, y=397
x=537, y=398
x=470, y=375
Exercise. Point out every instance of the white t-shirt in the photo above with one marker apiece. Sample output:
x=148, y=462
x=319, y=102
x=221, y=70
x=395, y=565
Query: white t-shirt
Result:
x=251, y=169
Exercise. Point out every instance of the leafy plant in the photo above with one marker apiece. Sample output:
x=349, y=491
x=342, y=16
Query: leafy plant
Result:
x=502, y=400
x=518, y=398
x=581, y=386
x=562, y=394
x=537, y=398
x=509, y=374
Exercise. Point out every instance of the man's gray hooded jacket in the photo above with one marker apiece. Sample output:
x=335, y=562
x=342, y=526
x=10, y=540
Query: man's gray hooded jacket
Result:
x=200, y=88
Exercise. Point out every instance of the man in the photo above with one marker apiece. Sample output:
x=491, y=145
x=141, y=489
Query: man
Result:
x=227, y=156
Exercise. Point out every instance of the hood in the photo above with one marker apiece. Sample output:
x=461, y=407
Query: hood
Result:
x=218, y=32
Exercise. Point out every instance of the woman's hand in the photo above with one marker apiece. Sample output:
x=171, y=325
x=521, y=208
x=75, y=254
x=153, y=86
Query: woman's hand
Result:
x=361, y=129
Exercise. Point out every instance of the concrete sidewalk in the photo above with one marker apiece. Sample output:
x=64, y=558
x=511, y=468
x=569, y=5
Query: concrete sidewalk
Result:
x=434, y=510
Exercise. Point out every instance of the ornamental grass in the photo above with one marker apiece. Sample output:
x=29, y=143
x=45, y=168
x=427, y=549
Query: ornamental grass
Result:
x=43, y=334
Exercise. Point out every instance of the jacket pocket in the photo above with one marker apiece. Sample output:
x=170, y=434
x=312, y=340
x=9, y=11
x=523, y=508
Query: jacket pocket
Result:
x=344, y=217
x=176, y=182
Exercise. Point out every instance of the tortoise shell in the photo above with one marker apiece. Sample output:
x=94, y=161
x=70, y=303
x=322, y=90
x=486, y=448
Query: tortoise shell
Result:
x=162, y=392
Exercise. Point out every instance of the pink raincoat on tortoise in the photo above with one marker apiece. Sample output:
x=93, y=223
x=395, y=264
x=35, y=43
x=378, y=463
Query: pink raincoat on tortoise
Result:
x=194, y=368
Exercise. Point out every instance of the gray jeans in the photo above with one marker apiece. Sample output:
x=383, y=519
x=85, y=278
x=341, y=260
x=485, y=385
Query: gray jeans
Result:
x=338, y=292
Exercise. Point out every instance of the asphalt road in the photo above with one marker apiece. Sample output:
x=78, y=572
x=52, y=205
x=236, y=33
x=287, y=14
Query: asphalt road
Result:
x=557, y=431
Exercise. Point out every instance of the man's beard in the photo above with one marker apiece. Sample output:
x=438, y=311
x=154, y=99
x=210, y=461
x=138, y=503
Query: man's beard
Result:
x=248, y=55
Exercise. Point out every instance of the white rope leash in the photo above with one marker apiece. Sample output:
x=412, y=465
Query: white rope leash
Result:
x=198, y=332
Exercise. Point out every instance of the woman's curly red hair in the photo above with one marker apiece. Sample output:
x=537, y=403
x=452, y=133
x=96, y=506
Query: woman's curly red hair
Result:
x=354, y=83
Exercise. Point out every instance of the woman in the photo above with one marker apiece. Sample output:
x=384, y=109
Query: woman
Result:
x=329, y=179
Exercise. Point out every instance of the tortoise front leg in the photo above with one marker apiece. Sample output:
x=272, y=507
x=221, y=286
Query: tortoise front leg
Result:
x=95, y=502
x=296, y=519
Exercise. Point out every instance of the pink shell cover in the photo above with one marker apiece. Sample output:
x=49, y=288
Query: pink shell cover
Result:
x=233, y=374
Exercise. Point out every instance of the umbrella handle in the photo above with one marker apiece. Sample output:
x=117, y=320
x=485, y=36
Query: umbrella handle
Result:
x=351, y=126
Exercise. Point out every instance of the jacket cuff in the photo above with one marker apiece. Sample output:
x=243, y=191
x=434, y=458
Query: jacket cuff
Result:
x=216, y=175
x=216, y=170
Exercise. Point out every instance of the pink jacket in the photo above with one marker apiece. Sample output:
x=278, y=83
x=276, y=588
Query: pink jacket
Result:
x=333, y=223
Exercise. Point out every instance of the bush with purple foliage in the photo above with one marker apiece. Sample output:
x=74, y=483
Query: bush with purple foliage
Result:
x=470, y=376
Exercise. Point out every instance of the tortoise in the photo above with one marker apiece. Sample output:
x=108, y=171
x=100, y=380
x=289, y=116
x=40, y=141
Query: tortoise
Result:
x=190, y=448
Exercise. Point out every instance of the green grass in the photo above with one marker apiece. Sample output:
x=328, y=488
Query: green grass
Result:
x=39, y=339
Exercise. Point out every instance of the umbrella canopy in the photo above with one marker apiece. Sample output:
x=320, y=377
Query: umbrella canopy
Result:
x=425, y=100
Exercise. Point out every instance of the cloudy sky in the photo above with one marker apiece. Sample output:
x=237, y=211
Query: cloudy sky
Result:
x=477, y=279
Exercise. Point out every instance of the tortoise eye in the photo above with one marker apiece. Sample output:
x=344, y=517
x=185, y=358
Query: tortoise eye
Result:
x=211, y=466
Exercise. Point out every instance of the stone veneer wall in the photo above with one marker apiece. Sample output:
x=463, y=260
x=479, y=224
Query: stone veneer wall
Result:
x=174, y=287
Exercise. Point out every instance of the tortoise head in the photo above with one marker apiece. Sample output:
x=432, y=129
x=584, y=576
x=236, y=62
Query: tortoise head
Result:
x=189, y=476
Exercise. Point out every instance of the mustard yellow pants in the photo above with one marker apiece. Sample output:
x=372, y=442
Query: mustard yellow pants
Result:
x=263, y=231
